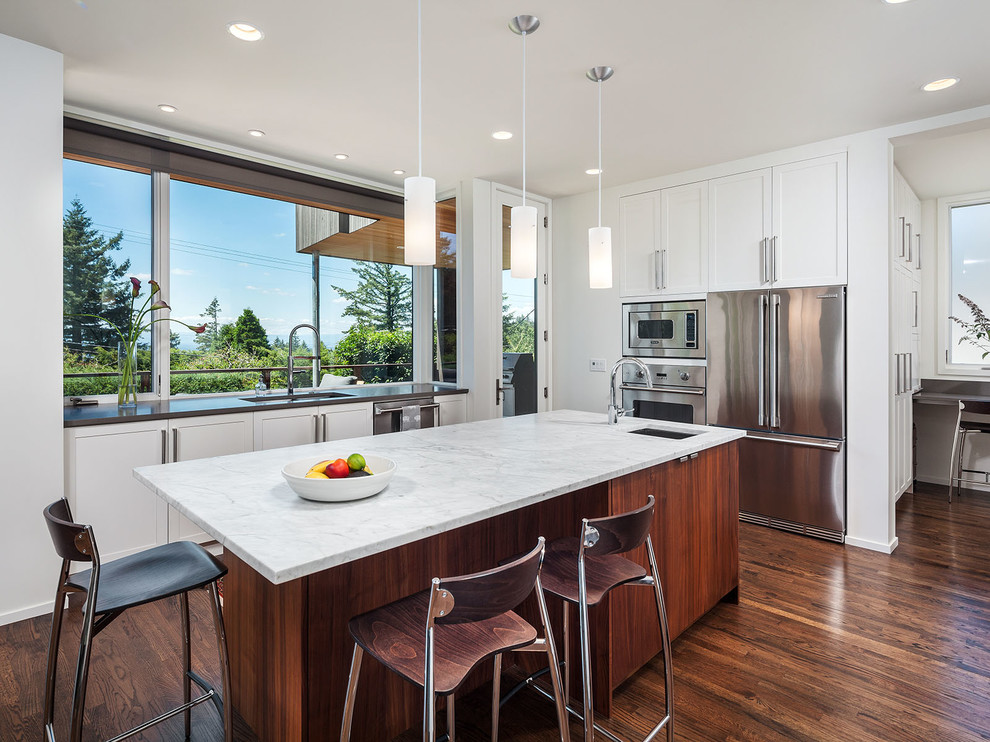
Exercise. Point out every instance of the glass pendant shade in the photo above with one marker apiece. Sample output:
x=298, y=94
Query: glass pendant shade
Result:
x=522, y=241
x=600, y=257
x=421, y=221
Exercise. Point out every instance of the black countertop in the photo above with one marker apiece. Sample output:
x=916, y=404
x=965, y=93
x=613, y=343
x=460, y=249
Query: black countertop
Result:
x=193, y=406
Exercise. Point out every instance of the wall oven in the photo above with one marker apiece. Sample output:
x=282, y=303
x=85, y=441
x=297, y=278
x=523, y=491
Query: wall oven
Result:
x=678, y=393
x=669, y=329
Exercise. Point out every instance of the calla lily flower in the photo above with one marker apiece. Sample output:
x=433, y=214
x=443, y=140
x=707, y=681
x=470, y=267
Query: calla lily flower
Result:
x=199, y=330
x=135, y=287
x=160, y=305
x=155, y=288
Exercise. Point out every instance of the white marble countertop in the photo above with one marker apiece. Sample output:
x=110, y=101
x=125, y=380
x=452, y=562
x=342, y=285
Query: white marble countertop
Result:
x=445, y=478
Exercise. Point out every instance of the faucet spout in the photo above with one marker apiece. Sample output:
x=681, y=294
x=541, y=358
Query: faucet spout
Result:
x=290, y=369
x=614, y=410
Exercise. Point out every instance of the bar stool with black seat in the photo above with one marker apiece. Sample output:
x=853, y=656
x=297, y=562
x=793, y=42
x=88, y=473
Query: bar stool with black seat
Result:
x=582, y=571
x=436, y=637
x=964, y=427
x=110, y=589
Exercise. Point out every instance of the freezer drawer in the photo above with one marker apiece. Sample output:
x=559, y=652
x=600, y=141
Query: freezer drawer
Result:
x=793, y=483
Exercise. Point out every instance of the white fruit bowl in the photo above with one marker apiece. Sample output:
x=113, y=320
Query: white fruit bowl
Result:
x=338, y=490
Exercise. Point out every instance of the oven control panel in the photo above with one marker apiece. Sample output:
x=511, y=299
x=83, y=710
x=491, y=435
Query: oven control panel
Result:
x=665, y=375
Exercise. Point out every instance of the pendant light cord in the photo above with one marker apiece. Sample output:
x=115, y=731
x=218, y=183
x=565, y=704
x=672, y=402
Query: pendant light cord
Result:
x=599, y=153
x=524, y=118
x=419, y=75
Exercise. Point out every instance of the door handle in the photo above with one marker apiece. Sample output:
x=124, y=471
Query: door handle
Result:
x=661, y=389
x=499, y=392
x=175, y=444
x=766, y=271
x=774, y=362
x=658, y=269
x=164, y=446
x=793, y=440
x=762, y=348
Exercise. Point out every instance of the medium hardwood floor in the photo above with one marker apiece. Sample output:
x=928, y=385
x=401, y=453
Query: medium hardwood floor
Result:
x=827, y=643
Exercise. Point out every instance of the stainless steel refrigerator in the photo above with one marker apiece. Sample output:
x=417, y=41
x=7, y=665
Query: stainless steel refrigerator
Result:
x=777, y=368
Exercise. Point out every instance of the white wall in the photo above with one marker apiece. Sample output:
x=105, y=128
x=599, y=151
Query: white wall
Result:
x=31, y=305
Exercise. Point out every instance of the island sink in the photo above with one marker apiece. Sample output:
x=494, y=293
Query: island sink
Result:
x=297, y=395
x=660, y=433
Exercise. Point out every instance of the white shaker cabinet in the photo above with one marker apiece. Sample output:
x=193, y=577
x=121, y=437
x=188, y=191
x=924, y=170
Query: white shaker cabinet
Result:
x=345, y=421
x=280, y=428
x=453, y=409
x=780, y=227
x=201, y=438
x=665, y=241
x=126, y=516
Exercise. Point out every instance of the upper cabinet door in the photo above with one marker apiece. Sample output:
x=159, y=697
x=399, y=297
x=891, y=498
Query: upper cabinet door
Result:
x=739, y=219
x=684, y=239
x=809, y=223
x=639, y=226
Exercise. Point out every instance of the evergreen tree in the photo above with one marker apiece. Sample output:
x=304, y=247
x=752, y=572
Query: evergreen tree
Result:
x=211, y=314
x=91, y=282
x=249, y=335
x=227, y=336
x=382, y=299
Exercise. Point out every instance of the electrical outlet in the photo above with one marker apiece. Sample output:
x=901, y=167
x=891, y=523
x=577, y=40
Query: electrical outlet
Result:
x=596, y=364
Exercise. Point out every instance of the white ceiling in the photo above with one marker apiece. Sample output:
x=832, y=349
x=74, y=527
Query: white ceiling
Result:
x=697, y=81
x=950, y=162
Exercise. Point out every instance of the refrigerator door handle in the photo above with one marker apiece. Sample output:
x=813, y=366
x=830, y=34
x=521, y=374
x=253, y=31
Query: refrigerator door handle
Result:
x=827, y=444
x=761, y=349
x=774, y=370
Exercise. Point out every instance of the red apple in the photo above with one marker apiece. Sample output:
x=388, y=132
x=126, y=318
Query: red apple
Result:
x=338, y=469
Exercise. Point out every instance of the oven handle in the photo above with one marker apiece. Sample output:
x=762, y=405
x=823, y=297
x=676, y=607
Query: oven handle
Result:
x=669, y=389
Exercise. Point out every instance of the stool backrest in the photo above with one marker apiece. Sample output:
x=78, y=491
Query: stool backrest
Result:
x=617, y=534
x=73, y=542
x=973, y=407
x=482, y=595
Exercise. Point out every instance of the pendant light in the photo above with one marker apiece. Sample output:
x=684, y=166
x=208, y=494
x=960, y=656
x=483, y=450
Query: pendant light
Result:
x=600, y=238
x=420, y=218
x=522, y=241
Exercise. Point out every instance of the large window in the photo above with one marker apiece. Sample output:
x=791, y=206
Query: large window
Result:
x=249, y=268
x=966, y=289
x=106, y=239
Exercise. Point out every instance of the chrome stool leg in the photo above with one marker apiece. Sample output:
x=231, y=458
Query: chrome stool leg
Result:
x=186, y=662
x=53, y=644
x=227, y=708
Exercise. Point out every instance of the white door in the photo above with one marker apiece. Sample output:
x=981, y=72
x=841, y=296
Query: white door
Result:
x=639, y=224
x=523, y=335
x=809, y=222
x=739, y=225
x=684, y=239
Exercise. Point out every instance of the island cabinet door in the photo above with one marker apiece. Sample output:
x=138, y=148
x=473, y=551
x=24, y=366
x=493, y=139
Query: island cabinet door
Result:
x=696, y=539
x=280, y=428
x=341, y=421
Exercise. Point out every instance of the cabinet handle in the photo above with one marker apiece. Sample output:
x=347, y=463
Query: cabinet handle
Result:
x=316, y=428
x=897, y=374
x=764, y=246
x=663, y=270
x=164, y=446
x=910, y=250
x=910, y=372
x=902, y=235
x=658, y=269
x=918, y=266
x=175, y=444
x=773, y=259
x=915, y=294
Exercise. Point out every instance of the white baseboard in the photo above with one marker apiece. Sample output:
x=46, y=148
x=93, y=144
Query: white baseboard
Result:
x=863, y=543
x=24, y=613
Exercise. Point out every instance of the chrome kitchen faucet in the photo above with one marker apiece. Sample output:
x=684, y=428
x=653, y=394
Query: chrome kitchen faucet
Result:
x=614, y=411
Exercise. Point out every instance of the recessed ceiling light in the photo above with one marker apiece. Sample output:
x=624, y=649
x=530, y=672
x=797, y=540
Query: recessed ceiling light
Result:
x=166, y=108
x=256, y=132
x=945, y=82
x=245, y=32
x=341, y=156
x=398, y=172
x=894, y=2
x=592, y=171
x=501, y=135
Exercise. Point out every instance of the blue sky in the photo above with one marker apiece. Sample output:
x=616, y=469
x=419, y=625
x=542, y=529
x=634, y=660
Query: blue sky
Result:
x=970, y=272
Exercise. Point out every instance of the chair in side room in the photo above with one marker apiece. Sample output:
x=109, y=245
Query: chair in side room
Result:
x=582, y=571
x=436, y=637
x=112, y=588
x=966, y=426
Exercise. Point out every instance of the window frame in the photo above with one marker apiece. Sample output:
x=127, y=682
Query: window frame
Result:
x=160, y=266
x=944, y=287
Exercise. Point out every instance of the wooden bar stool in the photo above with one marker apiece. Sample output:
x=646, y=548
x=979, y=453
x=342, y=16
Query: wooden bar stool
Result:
x=963, y=429
x=436, y=637
x=161, y=572
x=583, y=571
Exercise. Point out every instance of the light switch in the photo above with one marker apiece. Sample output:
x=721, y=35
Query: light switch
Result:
x=596, y=364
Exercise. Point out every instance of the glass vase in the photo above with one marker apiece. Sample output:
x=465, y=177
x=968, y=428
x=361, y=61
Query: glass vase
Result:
x=127, y=367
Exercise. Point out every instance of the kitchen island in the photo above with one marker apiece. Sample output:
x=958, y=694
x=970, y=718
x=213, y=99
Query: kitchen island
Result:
x=463, y=498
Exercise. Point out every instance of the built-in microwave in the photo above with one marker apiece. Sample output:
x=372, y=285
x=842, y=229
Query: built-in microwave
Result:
x=666, y=329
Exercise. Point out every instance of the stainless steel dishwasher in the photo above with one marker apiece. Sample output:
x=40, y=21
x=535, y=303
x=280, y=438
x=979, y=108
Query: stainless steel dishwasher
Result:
x=406, y=414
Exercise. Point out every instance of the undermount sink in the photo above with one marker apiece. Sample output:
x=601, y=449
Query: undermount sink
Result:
x=318, y=394
x=660, y=433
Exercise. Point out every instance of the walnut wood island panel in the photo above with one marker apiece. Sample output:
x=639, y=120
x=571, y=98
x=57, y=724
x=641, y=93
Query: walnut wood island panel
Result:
x=463, y=498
